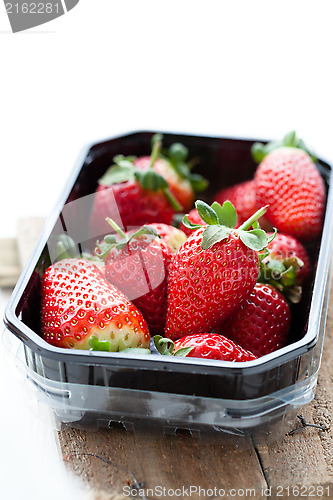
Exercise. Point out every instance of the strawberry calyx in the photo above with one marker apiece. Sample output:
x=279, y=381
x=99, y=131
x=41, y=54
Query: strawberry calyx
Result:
x=220, y=221
x=104, y=345
x=124, y=170
x=282, y=274
x=290, y=140
x=111, y=241
x=67, y=248
x=166, y=347
x=176, y=155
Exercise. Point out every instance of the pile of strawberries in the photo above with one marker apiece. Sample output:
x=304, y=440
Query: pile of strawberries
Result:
x=222, y=286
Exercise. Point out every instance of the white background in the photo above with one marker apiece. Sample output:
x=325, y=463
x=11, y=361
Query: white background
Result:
x=241, y=68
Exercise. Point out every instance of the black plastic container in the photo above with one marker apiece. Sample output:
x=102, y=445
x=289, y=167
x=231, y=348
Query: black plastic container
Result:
x=98, y=388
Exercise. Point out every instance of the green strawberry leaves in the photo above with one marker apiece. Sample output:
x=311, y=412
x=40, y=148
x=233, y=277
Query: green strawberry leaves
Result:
x=111, y=241
x=104, y=345
x=166, y=347
x=178, y=153
x=177, y=157
x=255, y=239
x=190, y=225
x=221, y=220
x=290, y=140
x=151, y=180
x=206, y=212
x=281, y=274
x=66, y=247
x=163, y=345
x=123, y=170
x=226, y=214
x=214, y=234
x=198, y=182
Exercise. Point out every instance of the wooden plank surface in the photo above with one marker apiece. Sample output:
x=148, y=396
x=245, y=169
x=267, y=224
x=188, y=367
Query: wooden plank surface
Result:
x=157, y=461
x=110, y=460
x=9, y=262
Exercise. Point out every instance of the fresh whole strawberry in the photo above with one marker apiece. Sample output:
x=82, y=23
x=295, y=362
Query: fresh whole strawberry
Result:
x=171, y=235
x=176, y=169
x=261, y=323
x=243, y=198
x=137, y=263
x=81, y=310
x=204, y=345
x=136, y=191
x=285, y=248
x=213, y=271
x=179, y=187
x=290, y=184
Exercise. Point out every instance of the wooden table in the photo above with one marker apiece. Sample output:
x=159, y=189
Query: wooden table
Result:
x=110, y=462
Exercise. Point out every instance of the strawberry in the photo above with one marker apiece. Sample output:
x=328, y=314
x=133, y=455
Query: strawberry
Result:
x=262, y=321
x=136, y=191
x=286, y=266
x=243, y=198
x=284, y=248
x=289, y=182
x=170, y=235
x=204, y=345
x=81, y=310
x=180, y=187
x=137, y=263
x=176, y=169
x=213, y=271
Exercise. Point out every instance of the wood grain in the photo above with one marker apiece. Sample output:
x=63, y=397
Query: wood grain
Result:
x=306, y=458
x=303, y=460
x=156, y=461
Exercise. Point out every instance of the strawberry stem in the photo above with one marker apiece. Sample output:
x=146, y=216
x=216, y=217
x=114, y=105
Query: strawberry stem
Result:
x=249, y=222
x=157, y=144
x=172, y=200
x=115, y=226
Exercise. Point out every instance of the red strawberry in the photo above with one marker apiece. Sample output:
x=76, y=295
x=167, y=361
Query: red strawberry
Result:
x=137, y=263
x=262, y=321
x=176, y=169
x=288, y=181
x=213, y=271
x=81, y=310
x=137, y=191
x=180, y=188
x=243, y=198
x=170, y=235
x=206, y=346
x=132, y=195
x=285, y=247
x=127, y=202
x=213, y=346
